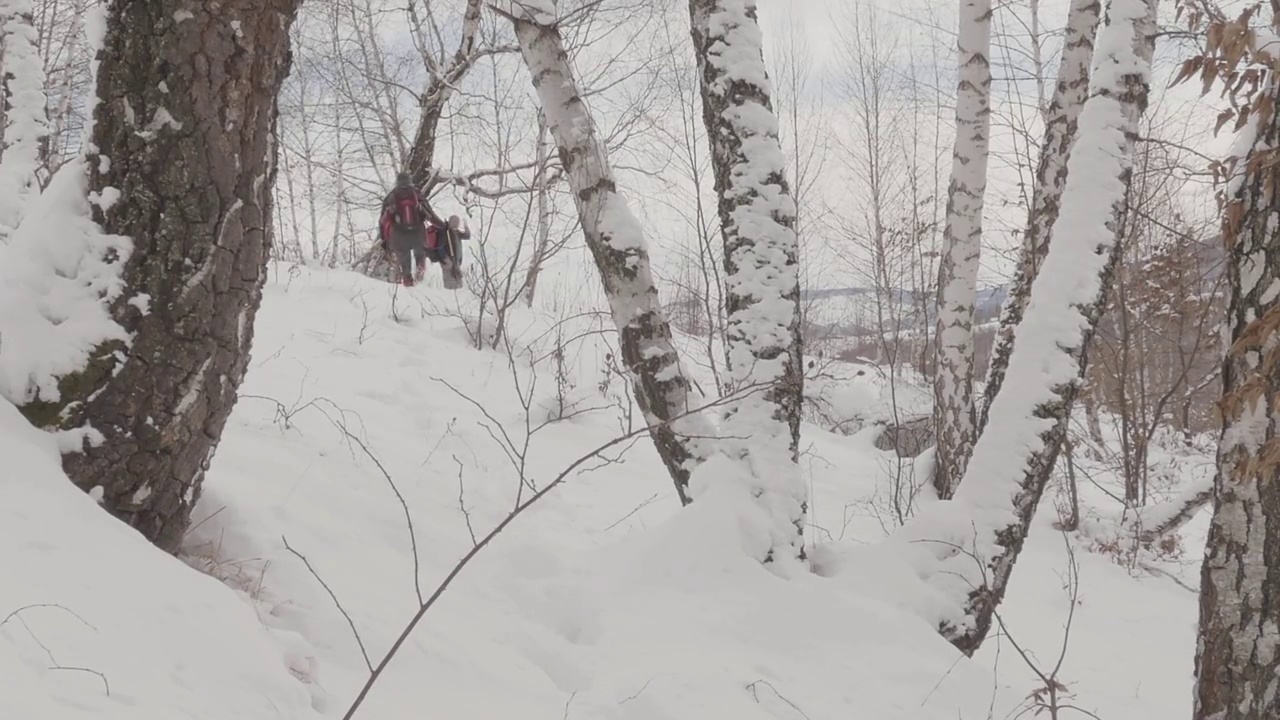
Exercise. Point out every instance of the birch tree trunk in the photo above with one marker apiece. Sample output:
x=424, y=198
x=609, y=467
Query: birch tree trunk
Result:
x=954, y=419
x=762, y=271
x=1051, y=178
x=1237, y=654
x=979, y=539
x=26, y=125
x=617, y=243
x=185, y=163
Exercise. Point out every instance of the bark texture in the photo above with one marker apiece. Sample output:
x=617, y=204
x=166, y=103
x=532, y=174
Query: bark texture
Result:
x=185, y=164
x=1238, y=653
x=617, y=243
x=1051, y=178
x=1014, y=458
x=762, y=277
x=954, y=418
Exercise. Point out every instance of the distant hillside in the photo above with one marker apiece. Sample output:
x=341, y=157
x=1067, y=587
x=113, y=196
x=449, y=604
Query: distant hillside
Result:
x=852, y=311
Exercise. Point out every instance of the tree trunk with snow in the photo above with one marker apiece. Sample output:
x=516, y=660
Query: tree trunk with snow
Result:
x=762, y=278
x=954, y=418
x=983, y=531
x=1238, y=656
x=184, y=165
x=1051, y=178
x=617, y=243
x=26, y=124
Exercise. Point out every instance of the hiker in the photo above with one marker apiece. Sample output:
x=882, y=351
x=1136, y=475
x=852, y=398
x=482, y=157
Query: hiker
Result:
x=444, y=245
x=403, y=229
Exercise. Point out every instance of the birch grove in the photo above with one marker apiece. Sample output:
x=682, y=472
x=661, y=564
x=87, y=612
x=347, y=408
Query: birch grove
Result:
x=762, y=280
x=1013, y=458
x=954, y=415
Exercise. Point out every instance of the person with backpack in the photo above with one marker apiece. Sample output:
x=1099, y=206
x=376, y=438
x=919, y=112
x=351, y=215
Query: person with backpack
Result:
x=444, y=245
x=403, y=228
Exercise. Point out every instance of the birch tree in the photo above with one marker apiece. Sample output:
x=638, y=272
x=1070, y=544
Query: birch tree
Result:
x=617, y=244
x=762, y=277
x=184, y=165
x=1237, y=654
x=954, y=416
x=26, y=125
x=978, y=538
x=1051, y=176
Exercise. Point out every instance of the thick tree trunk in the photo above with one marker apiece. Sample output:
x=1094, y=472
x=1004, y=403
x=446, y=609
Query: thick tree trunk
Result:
x=616, y=241
x=1051, y=178
x=25, y=120
x=1238, y=656
x=954, y=418
x=1013, y=460
x=762, y=277
x=184, y=134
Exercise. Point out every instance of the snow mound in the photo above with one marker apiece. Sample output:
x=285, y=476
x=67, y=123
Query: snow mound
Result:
x=97, y=623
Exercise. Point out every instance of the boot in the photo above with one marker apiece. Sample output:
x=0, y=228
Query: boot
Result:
x=407, y=282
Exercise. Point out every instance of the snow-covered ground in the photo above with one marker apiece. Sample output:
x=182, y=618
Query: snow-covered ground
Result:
x=602, y=601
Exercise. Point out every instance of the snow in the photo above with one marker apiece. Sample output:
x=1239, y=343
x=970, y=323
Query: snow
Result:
x=25, y=122
x=56, y=275
x=605, y=598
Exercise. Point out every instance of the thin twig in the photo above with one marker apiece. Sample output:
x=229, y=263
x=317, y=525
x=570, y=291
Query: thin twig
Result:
x=462, y=502
x=333, y=596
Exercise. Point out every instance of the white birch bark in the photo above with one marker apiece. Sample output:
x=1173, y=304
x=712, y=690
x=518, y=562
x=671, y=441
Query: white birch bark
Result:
x=978, y=537
x=954, y=418
x=26, y=124
x=762, y=280
x=1238, y=645
x=617, y=243
x=1051, y=178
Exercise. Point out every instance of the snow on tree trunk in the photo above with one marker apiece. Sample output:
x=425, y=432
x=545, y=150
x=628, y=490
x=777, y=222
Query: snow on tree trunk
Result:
x=1051, y=178
x=26, y=124
x=184, y=165
x=1238, y=650
x=762, y=278
x=977, y=537
x=616, y=241
x=954, y=420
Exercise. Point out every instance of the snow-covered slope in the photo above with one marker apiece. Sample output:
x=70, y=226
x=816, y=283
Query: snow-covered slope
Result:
x=601, y=601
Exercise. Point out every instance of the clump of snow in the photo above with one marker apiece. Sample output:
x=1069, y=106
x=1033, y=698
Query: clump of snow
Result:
x=57, y=275
x=25, y=122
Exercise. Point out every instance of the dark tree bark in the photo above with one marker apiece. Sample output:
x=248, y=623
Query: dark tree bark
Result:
x=184, y=135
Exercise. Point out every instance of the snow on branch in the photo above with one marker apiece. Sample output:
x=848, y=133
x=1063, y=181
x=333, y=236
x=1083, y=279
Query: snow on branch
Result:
x=25, y=123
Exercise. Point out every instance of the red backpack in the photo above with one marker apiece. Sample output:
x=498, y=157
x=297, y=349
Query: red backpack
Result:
x=407, y=206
